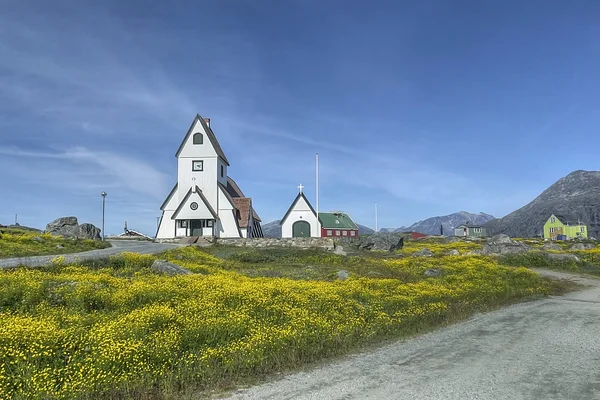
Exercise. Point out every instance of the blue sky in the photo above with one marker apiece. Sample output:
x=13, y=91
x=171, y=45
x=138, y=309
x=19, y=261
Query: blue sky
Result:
x=426, y=108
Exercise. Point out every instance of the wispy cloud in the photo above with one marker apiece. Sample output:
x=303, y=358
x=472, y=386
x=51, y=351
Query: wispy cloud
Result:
x=128, y=173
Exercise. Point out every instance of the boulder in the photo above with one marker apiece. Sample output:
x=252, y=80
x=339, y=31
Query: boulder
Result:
x=451, y=239
x=432, y=272
x=454, y=252
x=551, y=246
x=582, y=246
x=388, y=241
x=68, y=227
x=502, y=245
x=38, y=239
x=563, y=257
x=168, y=268
x=343, y=275
x=423, y=253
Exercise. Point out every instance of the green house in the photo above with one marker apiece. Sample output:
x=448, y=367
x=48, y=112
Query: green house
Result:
x=564, y=227
x=468, y=230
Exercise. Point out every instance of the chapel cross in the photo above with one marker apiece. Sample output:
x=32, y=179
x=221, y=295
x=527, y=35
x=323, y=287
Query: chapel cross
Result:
x=300, y=187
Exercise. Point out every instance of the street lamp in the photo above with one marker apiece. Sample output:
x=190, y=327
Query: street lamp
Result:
x=103, y=194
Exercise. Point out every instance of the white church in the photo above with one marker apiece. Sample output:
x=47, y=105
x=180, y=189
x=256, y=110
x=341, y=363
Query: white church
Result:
x=206, y=201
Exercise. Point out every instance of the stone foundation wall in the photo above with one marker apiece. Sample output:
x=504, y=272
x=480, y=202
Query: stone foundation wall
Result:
x=303, y=243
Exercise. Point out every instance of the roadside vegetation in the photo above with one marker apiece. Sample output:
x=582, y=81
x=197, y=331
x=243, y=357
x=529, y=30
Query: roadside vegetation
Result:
x=114, y=329
x=22, y=243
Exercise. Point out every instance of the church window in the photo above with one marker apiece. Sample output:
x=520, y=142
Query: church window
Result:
x=183, y=224
x=222, y=171
x=352, y=233
x=337, y=233
x=198, y=139
x=345, y=233
x=329, y=233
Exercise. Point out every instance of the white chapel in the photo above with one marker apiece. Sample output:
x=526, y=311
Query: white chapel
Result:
x=206, y=201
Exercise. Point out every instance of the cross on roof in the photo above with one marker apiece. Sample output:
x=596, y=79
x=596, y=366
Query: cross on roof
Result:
x=300, y=187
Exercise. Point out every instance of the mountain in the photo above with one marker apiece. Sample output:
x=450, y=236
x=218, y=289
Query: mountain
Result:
x=431, y=226
x=272, y=229
x=577, y=194
x=364, y=230
x=402, y=228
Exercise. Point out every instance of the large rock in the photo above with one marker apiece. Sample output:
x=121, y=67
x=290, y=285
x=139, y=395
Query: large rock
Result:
x=388, y=241
x=423, y=253
x=563, y=257
x=69, y=227
x=165, y=267
x=551, y=246
x=582, y=246
x=502, y=245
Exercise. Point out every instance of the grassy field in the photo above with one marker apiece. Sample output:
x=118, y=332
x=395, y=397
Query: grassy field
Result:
x=20, y=243
x=114, y=329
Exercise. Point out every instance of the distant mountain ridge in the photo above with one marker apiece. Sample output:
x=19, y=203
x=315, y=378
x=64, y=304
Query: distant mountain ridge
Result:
x=431, y=226
x=577, y=195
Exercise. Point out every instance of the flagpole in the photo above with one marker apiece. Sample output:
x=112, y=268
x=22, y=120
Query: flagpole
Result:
x=317, y=191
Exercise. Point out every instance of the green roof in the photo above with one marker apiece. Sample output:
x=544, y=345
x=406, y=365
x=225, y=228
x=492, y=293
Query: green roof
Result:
x=336, y=220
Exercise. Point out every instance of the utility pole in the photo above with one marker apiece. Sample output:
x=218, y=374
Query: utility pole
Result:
x=376, y=219
x=103, y=194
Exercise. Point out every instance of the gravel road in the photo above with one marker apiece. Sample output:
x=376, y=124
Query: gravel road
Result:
x=546, y=349
x=118, y=246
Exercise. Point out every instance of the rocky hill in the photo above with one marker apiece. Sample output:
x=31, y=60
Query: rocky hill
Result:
x=431, y=226
x=364, y=230
x=577, y=194
x=272, y=229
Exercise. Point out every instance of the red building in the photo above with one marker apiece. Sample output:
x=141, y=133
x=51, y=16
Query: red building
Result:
x=416, y=235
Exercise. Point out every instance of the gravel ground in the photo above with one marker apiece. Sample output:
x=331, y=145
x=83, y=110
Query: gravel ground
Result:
x=546, y=349
x=118, y=246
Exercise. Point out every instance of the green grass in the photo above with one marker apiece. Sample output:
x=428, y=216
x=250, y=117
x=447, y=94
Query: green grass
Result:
x=21, y=243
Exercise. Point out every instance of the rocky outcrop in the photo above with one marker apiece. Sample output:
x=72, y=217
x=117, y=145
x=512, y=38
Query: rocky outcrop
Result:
x=551, y=246
x=576, y=194
x=386, y=241
x=70, y=228
x=563, y=257
x=423, y=253
x=582, y=246
x=502, y=245
x=168, y=268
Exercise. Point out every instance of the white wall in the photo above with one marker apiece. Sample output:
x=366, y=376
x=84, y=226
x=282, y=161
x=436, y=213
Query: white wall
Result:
x=228, y=224
x=201, y=213
x=244, y=232
x=301, y=212
x=166, y=230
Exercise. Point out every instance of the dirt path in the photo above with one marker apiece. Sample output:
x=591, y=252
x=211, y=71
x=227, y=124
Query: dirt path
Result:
x=546, y=349
x=118, y=246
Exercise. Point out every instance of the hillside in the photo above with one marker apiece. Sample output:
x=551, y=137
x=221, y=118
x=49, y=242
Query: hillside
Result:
x=577, y=194
x=431, y=226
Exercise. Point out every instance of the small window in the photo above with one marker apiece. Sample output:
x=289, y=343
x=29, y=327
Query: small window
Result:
x=329, y=233
x=553, y=220
x=209, y=223
x=337, y=233
x=352, y=233
x=222, y=171
x=583, y=229
x=183, y=224
x=197, y=165
x=345, y=233
x=198, y=139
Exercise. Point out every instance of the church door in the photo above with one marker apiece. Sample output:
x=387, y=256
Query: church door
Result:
x=301, y=229
x=196, y=227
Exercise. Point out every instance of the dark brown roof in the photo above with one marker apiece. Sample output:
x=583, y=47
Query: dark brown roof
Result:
x=233, y=188
x=244, y=205
x=209, y=133
x=255, y=215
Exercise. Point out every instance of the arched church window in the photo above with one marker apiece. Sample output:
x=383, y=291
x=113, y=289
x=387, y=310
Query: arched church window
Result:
x=198, y=138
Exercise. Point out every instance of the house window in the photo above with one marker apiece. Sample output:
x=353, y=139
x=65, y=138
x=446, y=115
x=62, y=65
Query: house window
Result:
x=222, y=171
x=197, y=165
x=552, y=230
x=329, y=233
x=583, y=229
x=337, y=233
x=183, y=224
x=552, y=220
x=352, y=233
x=345, y=233
x=198, y=139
